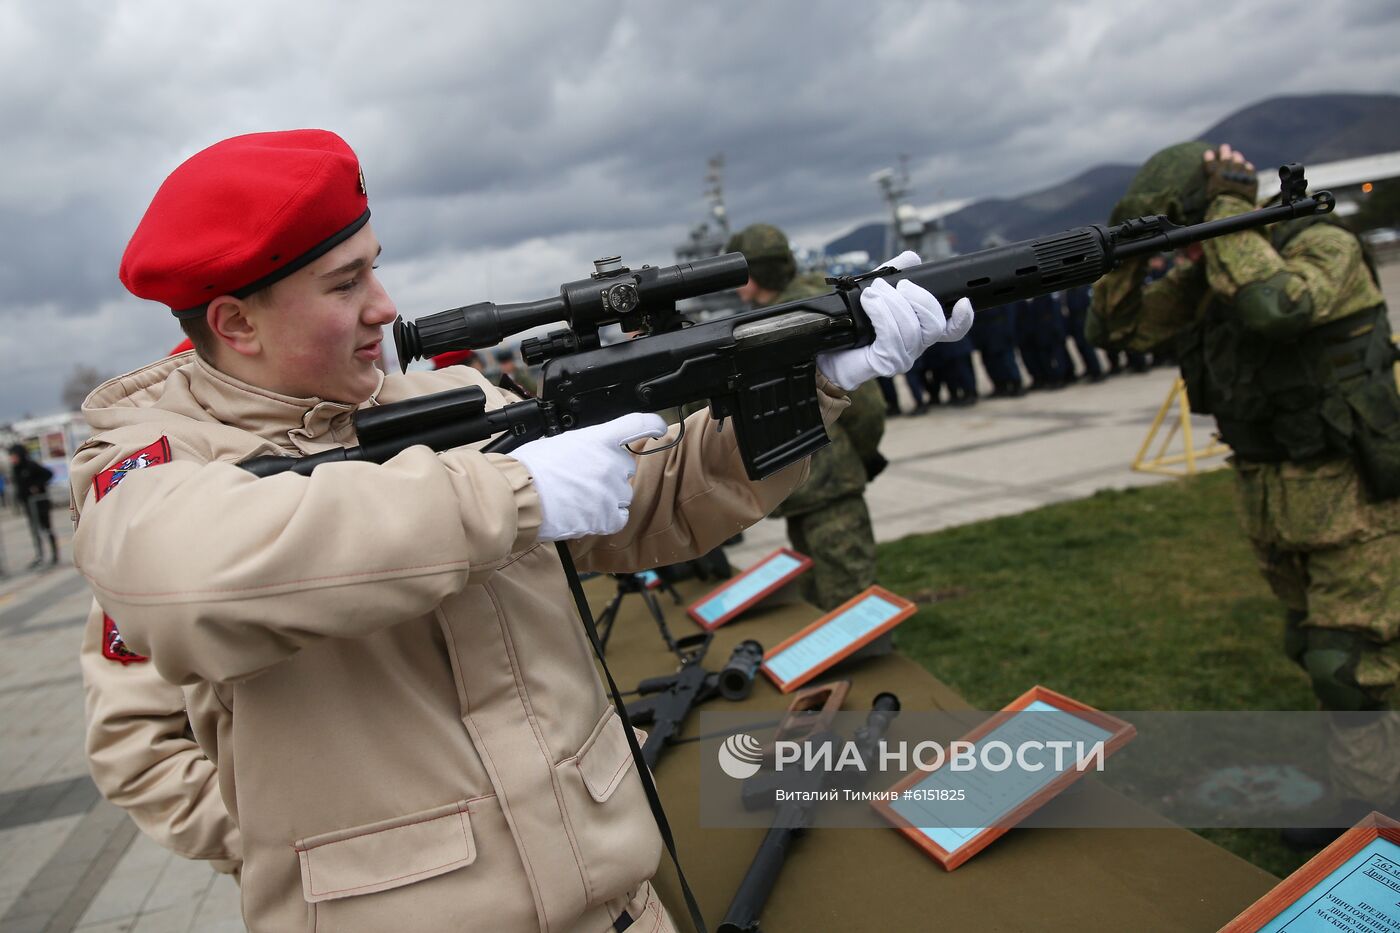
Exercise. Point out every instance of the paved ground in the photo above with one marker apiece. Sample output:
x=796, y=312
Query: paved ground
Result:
x=69, y=861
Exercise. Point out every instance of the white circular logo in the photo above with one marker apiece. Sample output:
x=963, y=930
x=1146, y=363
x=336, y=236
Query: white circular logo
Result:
x=740, y=756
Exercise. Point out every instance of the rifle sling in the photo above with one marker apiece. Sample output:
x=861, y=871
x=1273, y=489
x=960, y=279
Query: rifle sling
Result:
x=648, y=784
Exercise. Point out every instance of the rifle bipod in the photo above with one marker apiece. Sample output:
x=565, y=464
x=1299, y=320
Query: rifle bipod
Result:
x=637, y=583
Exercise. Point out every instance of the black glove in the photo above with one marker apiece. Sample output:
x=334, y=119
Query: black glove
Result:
x=1228, y=176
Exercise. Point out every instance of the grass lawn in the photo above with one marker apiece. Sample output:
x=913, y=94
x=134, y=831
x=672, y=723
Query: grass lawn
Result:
x=1144, y=599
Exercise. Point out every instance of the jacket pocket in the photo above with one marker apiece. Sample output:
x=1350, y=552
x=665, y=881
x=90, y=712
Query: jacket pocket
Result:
x=387, y=854
x=618, y=842
x=605, y=759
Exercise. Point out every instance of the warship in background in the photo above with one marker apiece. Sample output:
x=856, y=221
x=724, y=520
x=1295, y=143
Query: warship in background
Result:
x=907, y=229
x=707, y=239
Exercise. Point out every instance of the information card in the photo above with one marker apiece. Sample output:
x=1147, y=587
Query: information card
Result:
x=835, y=635
x=749, y=588
x=1353, y=886
x=1039, y=725
x=1363, y=895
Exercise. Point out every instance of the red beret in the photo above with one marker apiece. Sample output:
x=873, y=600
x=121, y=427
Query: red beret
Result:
x=242, y=214
x=184, y=346
x=452, y=358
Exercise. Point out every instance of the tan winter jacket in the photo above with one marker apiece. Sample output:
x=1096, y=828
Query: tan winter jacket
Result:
x=383, y=663
x=144, y=759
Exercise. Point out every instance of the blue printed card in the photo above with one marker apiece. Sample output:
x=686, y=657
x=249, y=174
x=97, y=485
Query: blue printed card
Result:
x=834, y=636
x=761, y=580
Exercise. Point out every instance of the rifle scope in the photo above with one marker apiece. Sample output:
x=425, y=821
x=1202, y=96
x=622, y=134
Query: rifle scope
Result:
x=613, y=294
x=736, y=678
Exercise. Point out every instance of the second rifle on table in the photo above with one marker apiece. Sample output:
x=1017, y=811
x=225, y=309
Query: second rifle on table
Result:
x=809, y=721
x=668, y=700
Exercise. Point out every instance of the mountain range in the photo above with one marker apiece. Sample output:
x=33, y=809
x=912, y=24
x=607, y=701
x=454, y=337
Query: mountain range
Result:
x=1312, y=129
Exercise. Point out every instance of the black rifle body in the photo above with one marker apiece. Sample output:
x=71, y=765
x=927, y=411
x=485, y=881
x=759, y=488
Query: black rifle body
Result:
x=757, y=368
x=794, y=815
x=673, y=696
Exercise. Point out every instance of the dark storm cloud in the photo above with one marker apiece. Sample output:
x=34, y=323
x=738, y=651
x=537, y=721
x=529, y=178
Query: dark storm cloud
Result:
x=507, y=144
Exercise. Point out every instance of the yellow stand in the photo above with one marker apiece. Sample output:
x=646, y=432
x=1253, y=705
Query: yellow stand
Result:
x=1169, y=464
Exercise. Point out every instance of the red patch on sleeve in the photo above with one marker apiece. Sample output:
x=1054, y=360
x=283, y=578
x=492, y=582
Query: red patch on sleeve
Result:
x=154, y=455
x=113, y=648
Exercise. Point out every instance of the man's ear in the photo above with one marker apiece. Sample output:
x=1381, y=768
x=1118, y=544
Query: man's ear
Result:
x=234, y=324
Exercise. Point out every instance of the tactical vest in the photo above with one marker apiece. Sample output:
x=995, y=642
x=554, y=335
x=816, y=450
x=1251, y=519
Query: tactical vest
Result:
x=1331, y=392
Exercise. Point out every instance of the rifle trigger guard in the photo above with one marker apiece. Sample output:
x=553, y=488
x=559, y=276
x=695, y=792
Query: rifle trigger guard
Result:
x=664, y=447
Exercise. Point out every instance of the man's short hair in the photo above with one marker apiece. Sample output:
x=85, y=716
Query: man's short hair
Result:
x=202, y=335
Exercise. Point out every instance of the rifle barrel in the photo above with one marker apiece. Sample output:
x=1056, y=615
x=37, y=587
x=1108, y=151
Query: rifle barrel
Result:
x=1172, y=237
x=754, y=890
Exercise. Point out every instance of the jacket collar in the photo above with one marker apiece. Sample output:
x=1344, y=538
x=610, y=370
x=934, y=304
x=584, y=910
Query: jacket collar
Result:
x=307, y=425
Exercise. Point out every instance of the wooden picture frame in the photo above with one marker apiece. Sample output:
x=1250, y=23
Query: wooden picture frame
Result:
x=905, y=610
x=693, y=610
x=1120, y=732
x=1314, y=873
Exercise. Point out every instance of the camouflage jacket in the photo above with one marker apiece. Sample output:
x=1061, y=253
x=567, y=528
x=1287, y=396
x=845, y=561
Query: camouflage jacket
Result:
x=1282, y=336
x=1319, y=275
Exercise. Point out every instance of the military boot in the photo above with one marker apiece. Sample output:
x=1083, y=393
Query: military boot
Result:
x=1362, y=752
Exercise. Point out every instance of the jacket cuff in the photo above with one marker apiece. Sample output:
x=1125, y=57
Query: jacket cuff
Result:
x=831, y=399
x=527, y=500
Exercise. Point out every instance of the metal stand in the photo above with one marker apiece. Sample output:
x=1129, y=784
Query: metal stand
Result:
x=1172, y=464
x=634, y=583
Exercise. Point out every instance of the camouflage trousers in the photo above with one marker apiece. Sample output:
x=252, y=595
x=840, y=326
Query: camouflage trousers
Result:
x=839, y=539
x=1333, y=558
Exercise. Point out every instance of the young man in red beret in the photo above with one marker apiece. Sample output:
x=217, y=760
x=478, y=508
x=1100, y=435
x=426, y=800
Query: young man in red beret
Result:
x=382, y=660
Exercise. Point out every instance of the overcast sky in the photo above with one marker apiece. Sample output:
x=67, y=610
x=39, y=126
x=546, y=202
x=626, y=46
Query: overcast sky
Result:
x=508, y=144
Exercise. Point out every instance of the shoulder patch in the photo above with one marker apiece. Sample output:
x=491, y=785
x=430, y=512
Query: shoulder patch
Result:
x=152, y=455
x=113, y=648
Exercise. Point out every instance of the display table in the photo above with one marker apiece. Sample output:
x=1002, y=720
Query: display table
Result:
x=1085, y=880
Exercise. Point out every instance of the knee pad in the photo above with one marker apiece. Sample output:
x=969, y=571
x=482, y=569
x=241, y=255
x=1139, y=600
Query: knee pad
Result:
x=1331, y=658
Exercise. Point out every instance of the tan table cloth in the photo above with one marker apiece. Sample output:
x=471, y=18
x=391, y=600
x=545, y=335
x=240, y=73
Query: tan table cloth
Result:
x=1117, y=880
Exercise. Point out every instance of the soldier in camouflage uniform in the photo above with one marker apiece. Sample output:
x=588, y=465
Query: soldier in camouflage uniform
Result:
x=505, y=359
x=827, y=518
x=1282, y=335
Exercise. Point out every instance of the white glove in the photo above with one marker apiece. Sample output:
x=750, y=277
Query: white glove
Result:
x=582, y=477
x=907, y=321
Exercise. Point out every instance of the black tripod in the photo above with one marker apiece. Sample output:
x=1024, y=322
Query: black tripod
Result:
x=637, y=583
